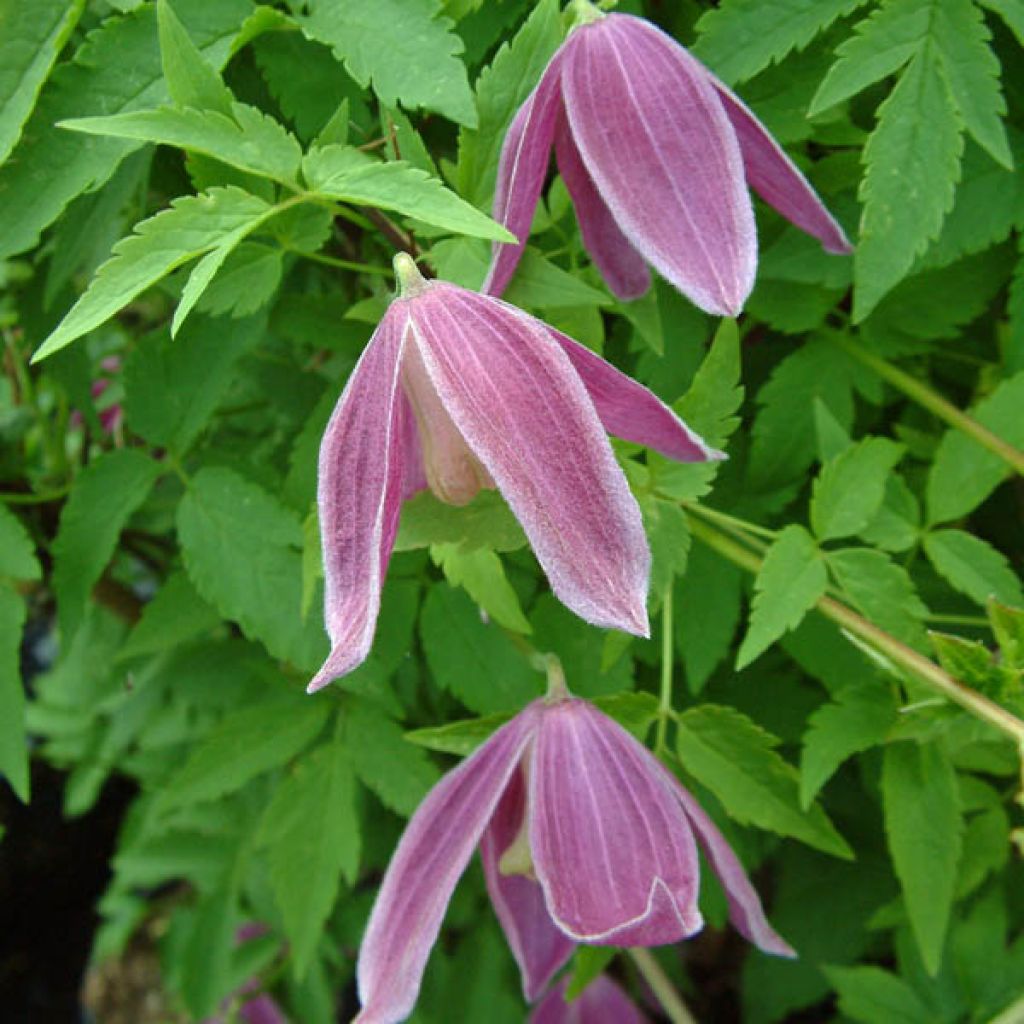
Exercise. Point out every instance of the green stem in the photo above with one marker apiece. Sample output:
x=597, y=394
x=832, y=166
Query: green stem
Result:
x=959, y=620
x=671, y=1002
x=733, y=523
x=667, y=659
x=898, y=653
x=19, y=498
x=333, y=261
x=919, y=392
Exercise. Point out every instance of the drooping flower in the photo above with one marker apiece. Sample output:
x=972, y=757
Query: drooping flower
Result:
x=657, y=155
x=585, y=837
x=458, y=391
x=601, y=1002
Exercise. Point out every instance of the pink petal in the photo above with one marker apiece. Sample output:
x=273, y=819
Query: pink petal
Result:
x=776, y=179
x=431, y=857
x=660, y=150
x=539, y=947
x=525, y=414
x=601, y=1002
x=522, y=168
x=262, y=1010
x=359, y=495
x=745, y=910
x=620, y=264
x=628, y=410
x=611, y=846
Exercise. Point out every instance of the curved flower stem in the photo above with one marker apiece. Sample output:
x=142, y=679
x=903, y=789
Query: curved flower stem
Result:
x=671, y=1002
x=333, y=261
x=897, y=652
x=935, y=404
x=735, y=524
x=667, y=659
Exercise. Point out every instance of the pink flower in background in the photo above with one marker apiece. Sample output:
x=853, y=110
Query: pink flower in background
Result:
x=111, y=417
x=601, y=1002
x=657, y=155
x=458, y=391
x=585, y=837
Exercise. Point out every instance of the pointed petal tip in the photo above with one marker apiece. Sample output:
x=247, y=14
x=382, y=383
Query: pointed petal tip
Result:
x=339, y=663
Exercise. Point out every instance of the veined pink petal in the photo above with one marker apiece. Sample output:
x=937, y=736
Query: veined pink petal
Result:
x=513, y=394
x=776, y=179
x=628, y=410
x=611, y=845
x=660, y=150
x=745, y=910
x=262, y=1010
x=431, y=857
x=414, y=477
x=620, y=264
x=359, y=495
x=539, y=947
x=522, y=168
x=601, y=1002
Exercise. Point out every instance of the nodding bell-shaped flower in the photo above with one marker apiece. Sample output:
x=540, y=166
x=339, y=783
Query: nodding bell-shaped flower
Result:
x=601, y=1002
x=457, y=391
x=657, y=155
x=585, y=837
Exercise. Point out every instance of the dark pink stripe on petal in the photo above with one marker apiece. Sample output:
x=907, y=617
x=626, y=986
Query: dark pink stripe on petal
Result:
x=522, y=409
x=628, y=410
x=657, y=144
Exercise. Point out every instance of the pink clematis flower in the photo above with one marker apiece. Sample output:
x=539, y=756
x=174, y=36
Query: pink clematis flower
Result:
x=585, y=837
x=657, y=155
x=601, y=1002
x=458, y=391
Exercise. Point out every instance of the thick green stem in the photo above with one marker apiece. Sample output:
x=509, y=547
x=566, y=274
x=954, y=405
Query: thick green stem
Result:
x=936, y=404
x=671, y=1002
x=898, y=653
x=667, y=659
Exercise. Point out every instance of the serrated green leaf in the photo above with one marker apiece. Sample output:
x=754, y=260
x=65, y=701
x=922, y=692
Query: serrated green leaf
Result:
x=191, y=79
x=481, y=574
x=175, y=614
x=859, y=718
x=668, y=534
x=17, y=552
x=924, y=827
x=102, y=500
x=244, y=744
x=964, y=473
x=734, y=757
x=243, y=551
x=399, y=773
x=404, y=48
x=587, y=963
x=473, y=660
x=246, y=282
x=896, y=525
x=972, y=566
x=870, y=995
x=971, y=663
x=32, y=36
x=918, y=139
x=849, y=490
x=790, y=582
x=217, y=219
x=53, y=166
x=461, y=737
x=347, y=174
x=312, y=828
x=1008, y=628
x=486, y=522
x=13, y=742
x=739, y=38
x=501, y=89
x=1012, y=12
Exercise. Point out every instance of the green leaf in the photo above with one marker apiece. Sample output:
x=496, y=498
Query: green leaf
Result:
x=972, y=663
x=32, y=37
x=790, y=582
x=860, y=718
x=973, y=567
x=473, y=660
x=1008, y=628
x=173, y=386
x=923, y=826
x=245, y=744
x=404, y=48
x=312, y=828
x=870, y=995
x=399, y=773
x=734, y=757
x=501, y=90
x=882, y=591
x=486, y=522
x=175, y=615
x=1012, y=12
x=587, y=963
x=243, y=551
x=218, y=219
x=244, y=138
x=346, y=174
x=964, y=473
x=53, y=166
x=739, y=38
x=460, y=737
x=896, y=525
x=481, y=574
x=102, y=500
x=191, y=79
x=13, y=742
x=849, y=490
x=246, y=282
x=668, y=533
x=17, y=552
x=918, y=138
